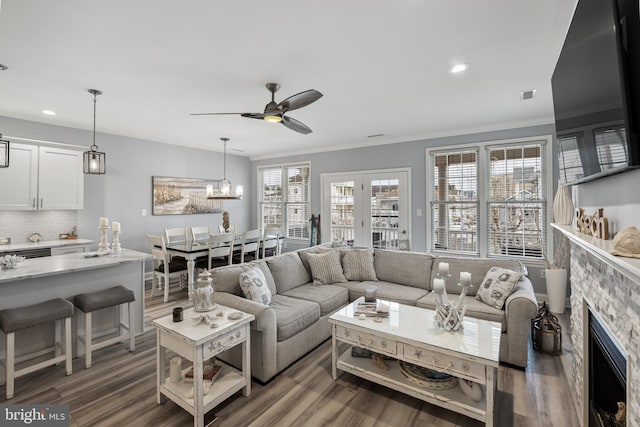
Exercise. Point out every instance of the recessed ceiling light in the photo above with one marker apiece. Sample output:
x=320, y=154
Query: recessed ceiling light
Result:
x=527, y=94
x=458, y=68
x=49, y=112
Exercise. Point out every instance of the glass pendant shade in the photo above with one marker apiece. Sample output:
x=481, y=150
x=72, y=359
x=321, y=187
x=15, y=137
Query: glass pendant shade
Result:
x=224, y=186
x=4, y=152
x=94, y=162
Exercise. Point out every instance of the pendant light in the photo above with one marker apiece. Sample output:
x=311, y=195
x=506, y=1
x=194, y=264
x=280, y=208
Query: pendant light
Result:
x=4, y=152
x=94, y=161
x=224, y=190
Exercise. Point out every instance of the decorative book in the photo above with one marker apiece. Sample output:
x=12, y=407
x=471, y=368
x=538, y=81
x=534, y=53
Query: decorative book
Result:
x=367, y=308
x=210, y=372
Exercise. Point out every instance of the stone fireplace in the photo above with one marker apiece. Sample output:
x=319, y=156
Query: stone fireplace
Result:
x=605, y=288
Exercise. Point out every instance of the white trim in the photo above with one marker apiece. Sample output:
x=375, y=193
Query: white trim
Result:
x=48, y=143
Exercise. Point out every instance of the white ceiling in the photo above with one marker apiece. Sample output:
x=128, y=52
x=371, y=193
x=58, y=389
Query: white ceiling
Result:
x=381, y=65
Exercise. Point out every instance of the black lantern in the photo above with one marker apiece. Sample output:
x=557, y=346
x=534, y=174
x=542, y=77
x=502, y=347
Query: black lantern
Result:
x=94, y=161
x=4, y=152
x=546, y=332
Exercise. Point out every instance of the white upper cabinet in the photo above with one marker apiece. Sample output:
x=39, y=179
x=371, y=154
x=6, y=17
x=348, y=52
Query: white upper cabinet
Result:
x=41, y=178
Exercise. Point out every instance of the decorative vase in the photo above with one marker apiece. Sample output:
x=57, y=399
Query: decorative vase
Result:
x=556, y=289
x=562, y=206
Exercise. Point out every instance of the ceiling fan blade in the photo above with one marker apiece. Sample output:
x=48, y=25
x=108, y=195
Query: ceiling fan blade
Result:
x=294, y=124
x=299, y=100
x=213, y=114
x=260, y=116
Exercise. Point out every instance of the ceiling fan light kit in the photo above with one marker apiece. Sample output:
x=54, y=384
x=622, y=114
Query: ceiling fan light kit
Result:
x=275, y=112
x=224, y=186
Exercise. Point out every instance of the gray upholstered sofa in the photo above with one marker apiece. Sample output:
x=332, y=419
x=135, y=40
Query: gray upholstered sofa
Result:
x=296, y=321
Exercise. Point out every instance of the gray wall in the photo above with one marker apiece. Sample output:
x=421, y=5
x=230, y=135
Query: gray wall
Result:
x=125, y=189
x=409, y=154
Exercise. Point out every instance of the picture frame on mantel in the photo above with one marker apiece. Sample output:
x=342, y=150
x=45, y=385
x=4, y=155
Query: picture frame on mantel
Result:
x=183, y=196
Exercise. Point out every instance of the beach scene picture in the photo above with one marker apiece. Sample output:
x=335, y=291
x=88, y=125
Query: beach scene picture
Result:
x=183, y=196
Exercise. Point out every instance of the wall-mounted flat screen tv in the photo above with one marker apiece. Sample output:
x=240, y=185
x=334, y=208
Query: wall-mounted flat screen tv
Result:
x=595, y=97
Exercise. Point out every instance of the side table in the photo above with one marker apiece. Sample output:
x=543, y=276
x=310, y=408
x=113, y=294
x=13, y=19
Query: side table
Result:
x=197, y=342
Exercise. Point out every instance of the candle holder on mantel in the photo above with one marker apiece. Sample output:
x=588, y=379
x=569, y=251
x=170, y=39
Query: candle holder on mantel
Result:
x=103, y=246
x=115, y=247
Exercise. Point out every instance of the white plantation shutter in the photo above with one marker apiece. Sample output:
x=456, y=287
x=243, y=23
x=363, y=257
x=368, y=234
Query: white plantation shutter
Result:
x=285, y=199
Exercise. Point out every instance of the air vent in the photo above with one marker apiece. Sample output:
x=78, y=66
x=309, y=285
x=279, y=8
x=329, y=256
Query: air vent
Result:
x=527, y=94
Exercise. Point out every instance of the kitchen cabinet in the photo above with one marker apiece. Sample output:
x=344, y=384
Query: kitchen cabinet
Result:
x=42, y=178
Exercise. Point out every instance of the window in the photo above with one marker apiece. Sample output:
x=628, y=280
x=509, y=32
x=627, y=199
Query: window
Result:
x=285, y=199
x=454, y=207
x=489, y=199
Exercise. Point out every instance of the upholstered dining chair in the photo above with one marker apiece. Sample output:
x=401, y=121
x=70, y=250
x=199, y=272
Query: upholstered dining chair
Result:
x=271, y=241
x=250, y=244
x=164, y=268
x=200, y=234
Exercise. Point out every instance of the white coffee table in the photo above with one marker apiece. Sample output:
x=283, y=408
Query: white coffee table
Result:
x=198, y=342
x=410, y=334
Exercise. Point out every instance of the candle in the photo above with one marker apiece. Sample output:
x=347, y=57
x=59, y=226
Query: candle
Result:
x=104, y=222
x=443, y=268
x=115, y=226
x=548, y=341
x=438, y=285
x=175, y=371
x=465, y=278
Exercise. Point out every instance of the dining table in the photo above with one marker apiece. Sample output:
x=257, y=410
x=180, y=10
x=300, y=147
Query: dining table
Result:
x=191, y=251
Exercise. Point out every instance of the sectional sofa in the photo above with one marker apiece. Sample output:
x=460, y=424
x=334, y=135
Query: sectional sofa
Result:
x=296, y=320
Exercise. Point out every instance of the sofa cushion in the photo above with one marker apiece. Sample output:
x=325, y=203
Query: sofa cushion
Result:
x=227, y=278
x=304, y=255
x=474, y=308
x=497, y=285
x=293, y=315
x=288, y=271
x=478, y=268
x=254, y=286
x=404, y=268
x=329, y=297
x=357, y=264
x=390, y=291
x=326, y=268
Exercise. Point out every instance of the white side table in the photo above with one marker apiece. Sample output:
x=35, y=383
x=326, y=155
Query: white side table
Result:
x=198, y=342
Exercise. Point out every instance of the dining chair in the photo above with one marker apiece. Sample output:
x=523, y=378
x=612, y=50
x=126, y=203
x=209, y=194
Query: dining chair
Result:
x=200, y=233
x=271, y=241
x=232, y=228
x=220, y=251
x=250, y=244
x=175, y=235
x=164, y=268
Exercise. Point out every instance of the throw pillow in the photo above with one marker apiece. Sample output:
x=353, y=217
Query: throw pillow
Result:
x=358, y=265
x=497, y=285
x=326, y=268
x=254, y=286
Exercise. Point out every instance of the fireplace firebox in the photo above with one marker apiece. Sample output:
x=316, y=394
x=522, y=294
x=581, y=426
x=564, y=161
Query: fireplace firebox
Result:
x=607, y=378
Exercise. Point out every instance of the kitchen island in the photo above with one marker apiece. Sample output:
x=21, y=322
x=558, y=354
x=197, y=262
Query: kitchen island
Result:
x=64, y=276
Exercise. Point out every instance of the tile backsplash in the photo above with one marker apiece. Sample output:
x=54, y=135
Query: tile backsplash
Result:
x=50, y=224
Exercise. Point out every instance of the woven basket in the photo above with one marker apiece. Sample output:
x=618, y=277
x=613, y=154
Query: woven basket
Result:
x=427, y=378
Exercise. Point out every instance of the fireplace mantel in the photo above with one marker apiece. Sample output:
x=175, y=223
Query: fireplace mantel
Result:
x=601, y=249
x=608, y=286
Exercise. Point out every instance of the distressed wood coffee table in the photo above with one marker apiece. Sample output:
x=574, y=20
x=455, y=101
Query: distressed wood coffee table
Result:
x=410, y=334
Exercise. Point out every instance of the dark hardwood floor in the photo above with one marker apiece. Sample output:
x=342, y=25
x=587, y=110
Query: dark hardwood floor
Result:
x=119, y=390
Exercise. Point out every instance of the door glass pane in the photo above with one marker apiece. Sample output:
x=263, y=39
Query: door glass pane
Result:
x=342, y=211
x=384, y=213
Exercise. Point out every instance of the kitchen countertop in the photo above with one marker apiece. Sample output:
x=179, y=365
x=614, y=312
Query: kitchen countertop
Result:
x=61, y=264
x=43, y=244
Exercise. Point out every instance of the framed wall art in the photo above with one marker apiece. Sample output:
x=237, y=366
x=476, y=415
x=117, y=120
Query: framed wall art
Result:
x=183, y=196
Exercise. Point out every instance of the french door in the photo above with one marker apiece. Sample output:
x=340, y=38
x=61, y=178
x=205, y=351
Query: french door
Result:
x=367, y=208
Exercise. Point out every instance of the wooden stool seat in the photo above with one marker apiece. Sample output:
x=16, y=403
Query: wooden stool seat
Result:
x=18, y=319
x=92, y=301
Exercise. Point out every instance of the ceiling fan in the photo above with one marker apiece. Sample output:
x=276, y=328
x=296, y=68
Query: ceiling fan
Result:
x=275, y=112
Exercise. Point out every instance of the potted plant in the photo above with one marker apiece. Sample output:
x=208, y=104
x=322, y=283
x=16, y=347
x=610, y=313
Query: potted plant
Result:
x=556, y=277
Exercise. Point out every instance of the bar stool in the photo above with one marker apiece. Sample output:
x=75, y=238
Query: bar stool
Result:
x=18, y=319
x=93, y=301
